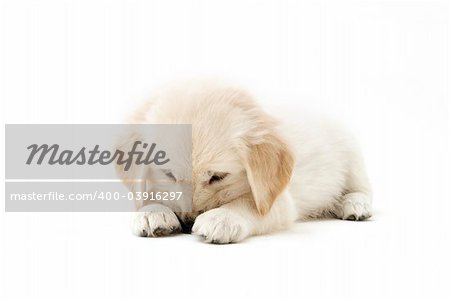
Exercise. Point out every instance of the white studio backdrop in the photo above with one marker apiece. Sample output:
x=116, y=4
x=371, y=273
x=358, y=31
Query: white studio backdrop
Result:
x=381, y=67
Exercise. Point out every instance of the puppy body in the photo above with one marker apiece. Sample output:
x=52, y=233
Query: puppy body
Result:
x=252, y=174
x=329, y=175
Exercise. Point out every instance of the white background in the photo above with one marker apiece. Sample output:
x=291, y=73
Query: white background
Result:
x=381, y=67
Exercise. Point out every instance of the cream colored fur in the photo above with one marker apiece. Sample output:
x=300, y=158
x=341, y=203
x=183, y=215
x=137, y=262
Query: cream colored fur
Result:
x=277, y=172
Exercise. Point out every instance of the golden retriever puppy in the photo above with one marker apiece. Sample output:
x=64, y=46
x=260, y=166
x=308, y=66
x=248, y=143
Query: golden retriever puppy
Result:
x=252, y=174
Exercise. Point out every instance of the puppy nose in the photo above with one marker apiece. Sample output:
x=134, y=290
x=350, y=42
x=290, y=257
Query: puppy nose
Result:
x=186, y=225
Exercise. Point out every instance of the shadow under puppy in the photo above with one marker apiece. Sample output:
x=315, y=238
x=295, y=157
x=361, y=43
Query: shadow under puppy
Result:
x=251, y=174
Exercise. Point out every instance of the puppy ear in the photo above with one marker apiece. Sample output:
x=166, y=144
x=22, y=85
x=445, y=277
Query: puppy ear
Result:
x=269, y=168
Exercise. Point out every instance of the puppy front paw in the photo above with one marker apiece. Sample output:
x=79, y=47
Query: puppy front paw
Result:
x=221, y=226
x=155, y=221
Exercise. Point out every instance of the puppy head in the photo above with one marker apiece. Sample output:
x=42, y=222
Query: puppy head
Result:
x=256, y=165
x=237, y=151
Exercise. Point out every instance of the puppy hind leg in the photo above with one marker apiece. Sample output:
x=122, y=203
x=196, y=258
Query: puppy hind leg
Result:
x=356, y=203
x=356, y=206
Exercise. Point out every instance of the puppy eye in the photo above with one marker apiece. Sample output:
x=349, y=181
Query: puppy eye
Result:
x=170, y=175
x=217, y=177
